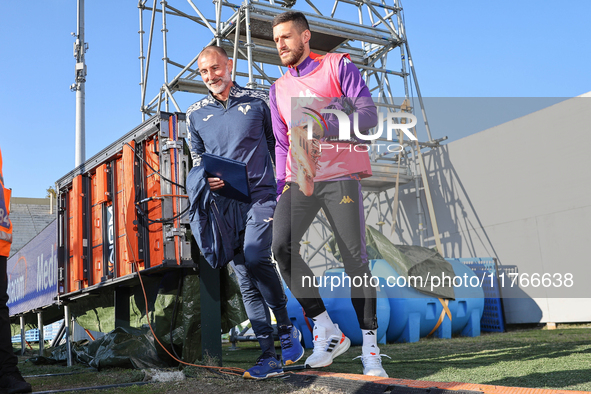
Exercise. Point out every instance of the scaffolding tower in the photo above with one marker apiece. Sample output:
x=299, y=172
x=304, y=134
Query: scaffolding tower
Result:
x=371, y=32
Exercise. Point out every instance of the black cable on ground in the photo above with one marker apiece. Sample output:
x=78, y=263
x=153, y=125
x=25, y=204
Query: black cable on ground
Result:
x=110, y=386
x=57, y=374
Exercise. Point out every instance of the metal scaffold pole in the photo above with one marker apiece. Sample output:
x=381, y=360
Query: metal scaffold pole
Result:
x=141, y=5
x=68, y=334
x=80, y=47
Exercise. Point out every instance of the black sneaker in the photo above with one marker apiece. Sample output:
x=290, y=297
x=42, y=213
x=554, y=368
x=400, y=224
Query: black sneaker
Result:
x=13, y=382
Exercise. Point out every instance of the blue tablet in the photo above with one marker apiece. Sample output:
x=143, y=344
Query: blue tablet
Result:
x=232, y=172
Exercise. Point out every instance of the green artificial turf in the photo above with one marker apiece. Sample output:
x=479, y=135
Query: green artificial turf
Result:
x=554, y=359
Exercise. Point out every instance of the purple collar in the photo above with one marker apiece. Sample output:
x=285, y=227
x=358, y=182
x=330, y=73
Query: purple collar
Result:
x=304, y=67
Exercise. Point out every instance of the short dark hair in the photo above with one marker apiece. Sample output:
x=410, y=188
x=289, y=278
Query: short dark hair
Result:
x=216, y=49
x=296, y=17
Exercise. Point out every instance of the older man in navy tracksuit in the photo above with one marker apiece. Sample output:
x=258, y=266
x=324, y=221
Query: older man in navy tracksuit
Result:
x=235, y=123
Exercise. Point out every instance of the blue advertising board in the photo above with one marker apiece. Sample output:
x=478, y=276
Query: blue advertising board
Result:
x=32, y=273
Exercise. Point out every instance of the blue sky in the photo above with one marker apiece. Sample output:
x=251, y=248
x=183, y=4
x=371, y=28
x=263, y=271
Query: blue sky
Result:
x=462, y=48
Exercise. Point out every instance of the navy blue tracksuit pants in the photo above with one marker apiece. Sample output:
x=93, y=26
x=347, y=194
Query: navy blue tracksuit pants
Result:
x=260, y=283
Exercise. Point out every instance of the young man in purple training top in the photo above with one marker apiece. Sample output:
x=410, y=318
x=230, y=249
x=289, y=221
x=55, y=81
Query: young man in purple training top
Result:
x=321, y=172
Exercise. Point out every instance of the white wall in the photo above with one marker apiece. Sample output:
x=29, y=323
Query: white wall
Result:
x=519, y=192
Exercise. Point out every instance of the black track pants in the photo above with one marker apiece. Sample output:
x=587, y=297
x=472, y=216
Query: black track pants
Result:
x=342, y=203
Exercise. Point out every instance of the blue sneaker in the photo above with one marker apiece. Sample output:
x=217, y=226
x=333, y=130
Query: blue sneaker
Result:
x=264, y=368
x=291, y=347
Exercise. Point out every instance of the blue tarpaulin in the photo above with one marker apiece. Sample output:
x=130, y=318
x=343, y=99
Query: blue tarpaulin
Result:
x=32, y=273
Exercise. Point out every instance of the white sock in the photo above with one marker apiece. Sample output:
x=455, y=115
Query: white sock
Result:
x=324, y=320
x=370, y=338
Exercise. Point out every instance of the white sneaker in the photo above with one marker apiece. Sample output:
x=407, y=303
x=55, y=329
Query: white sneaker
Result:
x=326, y=349
x=372, y=361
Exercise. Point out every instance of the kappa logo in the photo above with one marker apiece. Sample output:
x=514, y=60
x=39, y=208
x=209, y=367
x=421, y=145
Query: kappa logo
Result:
x=306, y=99
x=244, y=110
x=207, y=117
x=346, y=200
